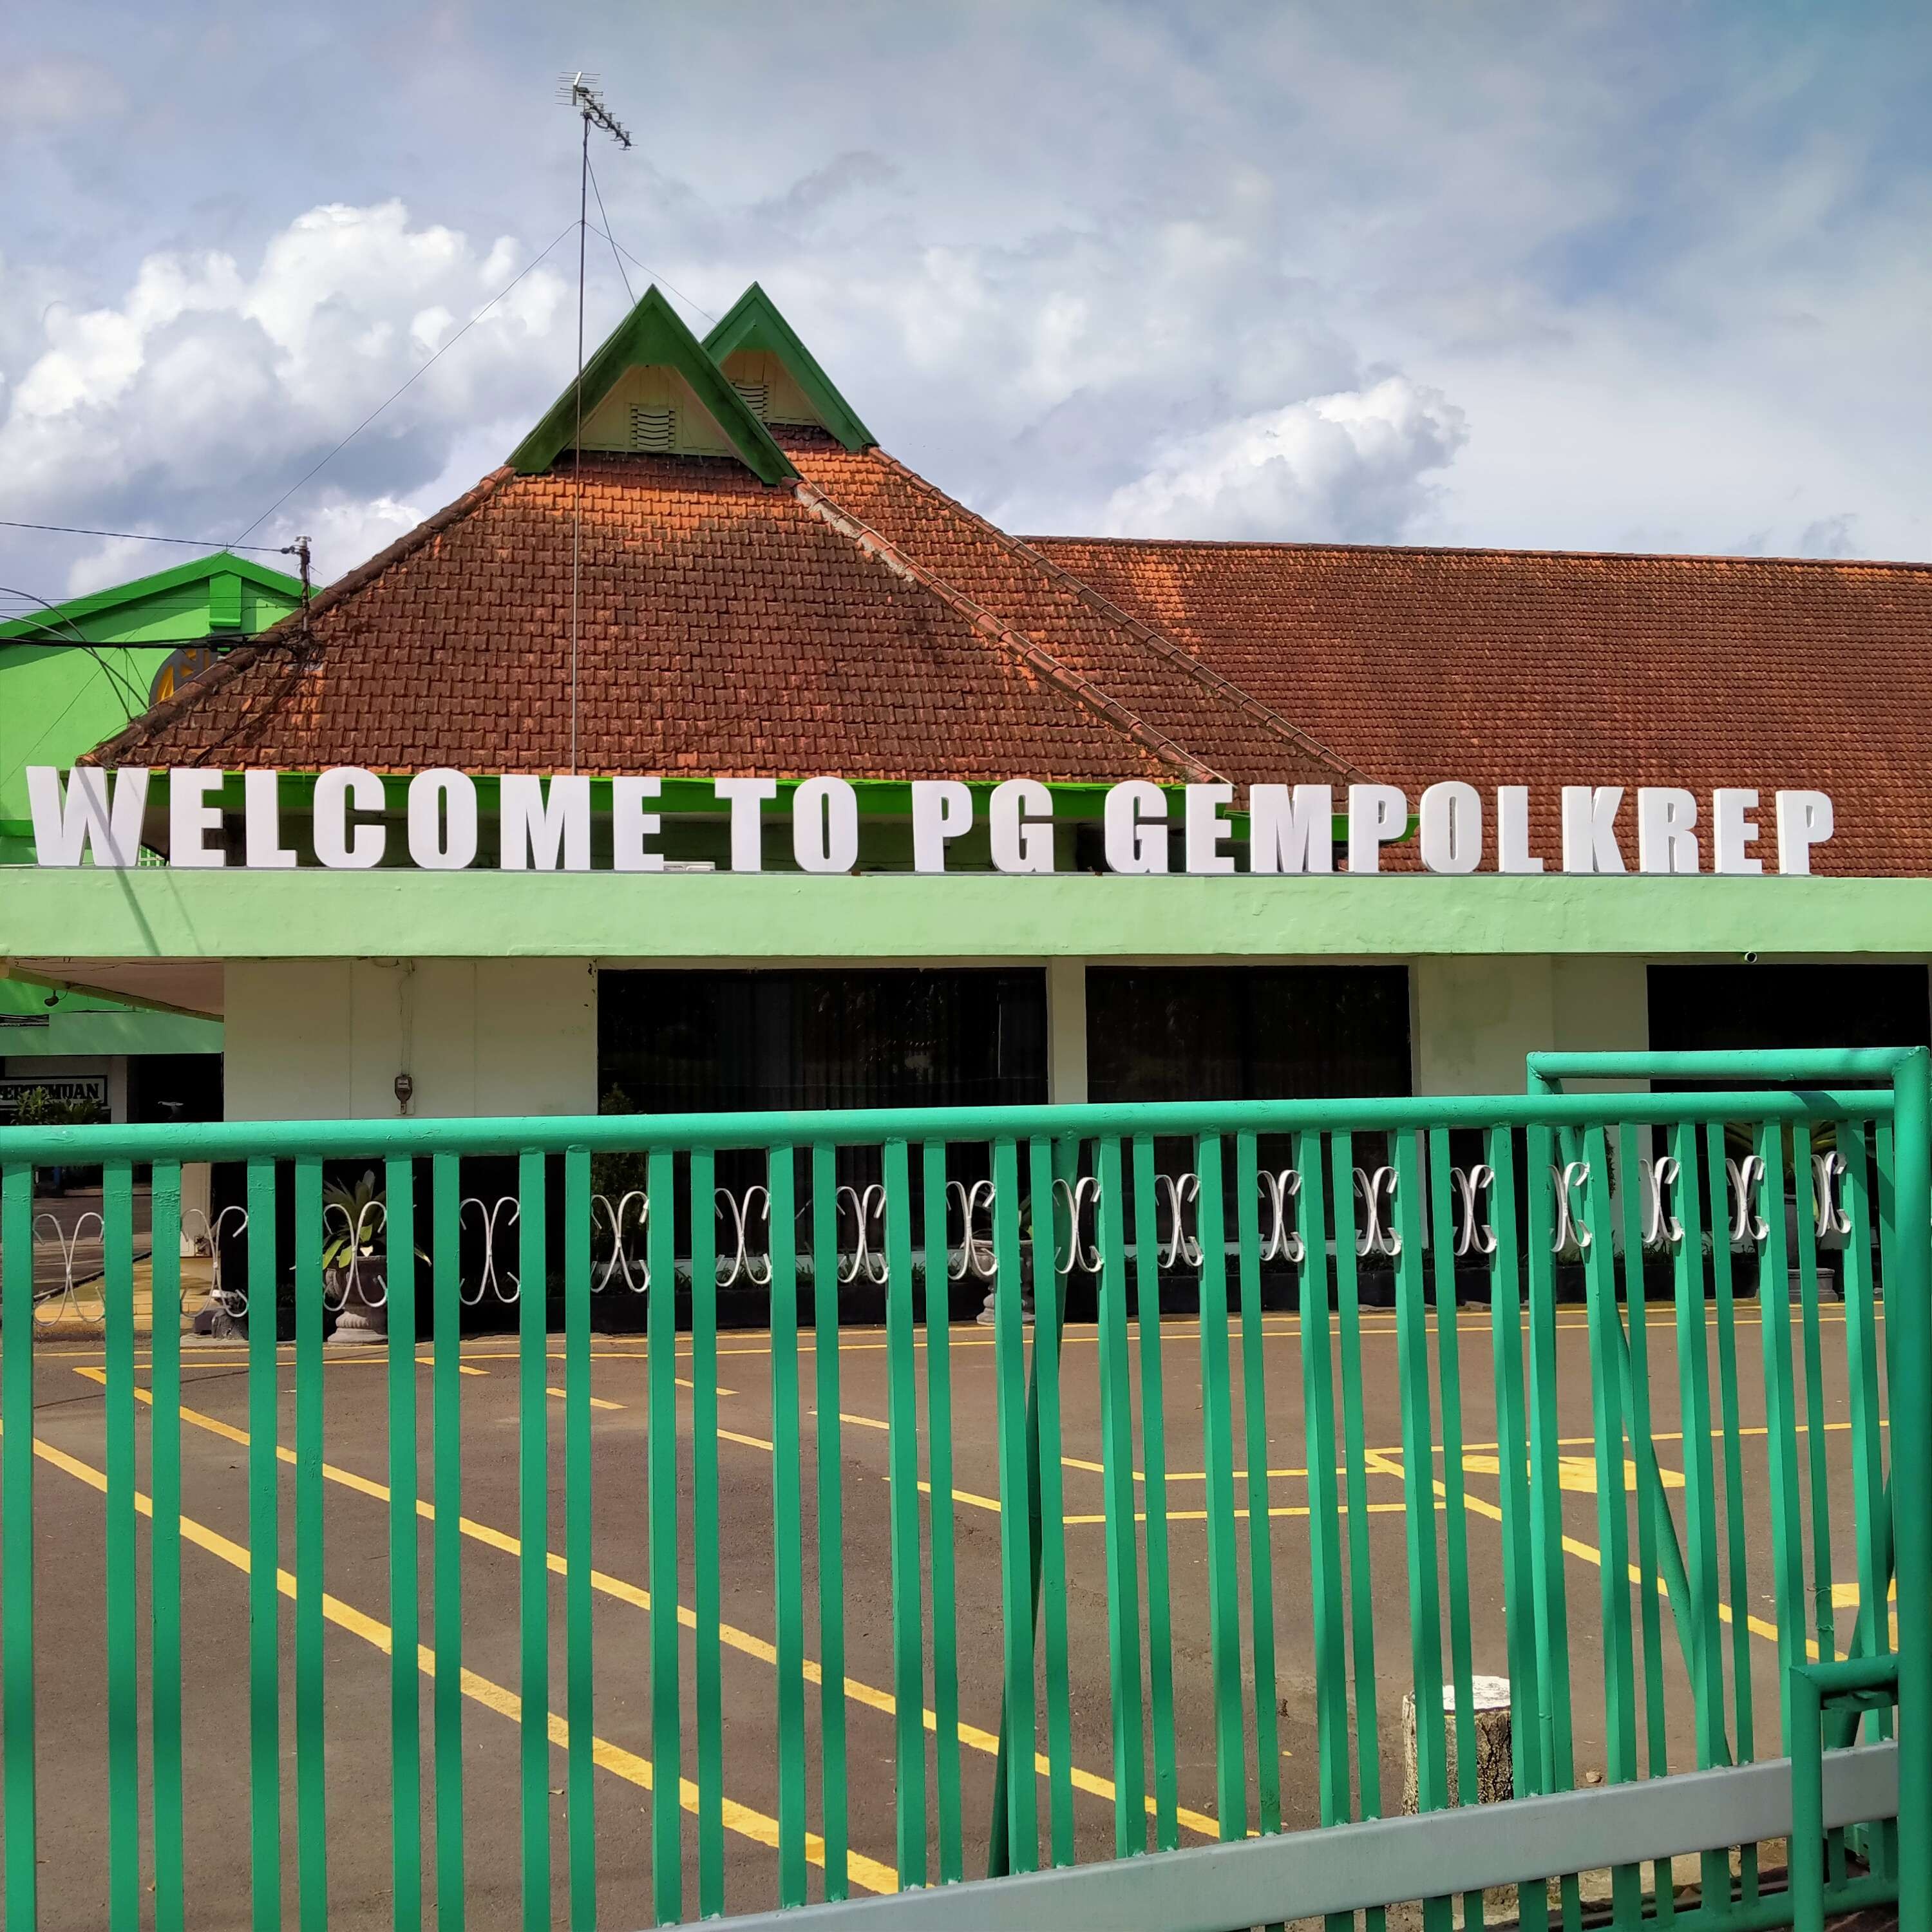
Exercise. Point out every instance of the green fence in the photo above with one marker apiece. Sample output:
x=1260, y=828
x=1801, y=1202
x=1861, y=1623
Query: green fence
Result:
x=1074, y=1609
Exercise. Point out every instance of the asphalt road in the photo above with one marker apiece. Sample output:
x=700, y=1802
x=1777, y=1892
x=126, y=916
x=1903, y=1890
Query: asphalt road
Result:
x=72, y=1727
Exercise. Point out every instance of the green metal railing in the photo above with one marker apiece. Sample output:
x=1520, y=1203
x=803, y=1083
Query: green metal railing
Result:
x=1247, y=1284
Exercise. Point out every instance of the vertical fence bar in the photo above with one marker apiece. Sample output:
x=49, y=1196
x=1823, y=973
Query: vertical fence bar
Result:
x=1558, y=1770
x=1355, y=1457
x=1520, y=1614
x=1217, y=1434
x=1418, y=1457
x=1153, y=1460
x=787, y=1537
x=580, y=1652
x=1862, y=1369
x=1909, y=1335
x=265, y=1804
x=1735, y=1558
x=1116, y=1453
x=1817, y=1468
x=1045, y=1221
x=16, y=1464
x=311, y=1767
x=1706, y=1660
x=1649, y=1483
x=399, y=1292
x=1324, y=1521
x=1882, y=1841
x=939, y=1462
x=1260, y=1524
x=446, y=1558
x=123, y=1768
x=165, y=1600
x=1022, y=1833
x=831, y=1521
x=902, y=1451
x=660, y=1484
x=707, y=1581
x=1455, y=1505
x=533, y=1532
x=1774, y=1302
x=1607, y=1426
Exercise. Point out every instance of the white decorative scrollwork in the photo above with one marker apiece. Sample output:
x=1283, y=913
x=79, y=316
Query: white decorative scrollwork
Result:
x=740, y=1213
x=1741, y=1176
x=1571, y=1176
x=1659, y=1227
x=56, y=1306
x=1827, y=1171
x=868, y=1255
x=633, y=1263
x=1279, y=1240
x=975, y=1254
x=357, y=1239
x=1474, y=1234
x=1082, y=1196
x=491, y=1280
x=1181, y=1247
x=1376, y=1191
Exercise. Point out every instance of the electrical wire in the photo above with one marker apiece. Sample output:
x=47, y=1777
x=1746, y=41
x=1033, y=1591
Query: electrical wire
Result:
x=424, y=370
x=616, y=255
x=118, y=680
x=142, y=536
x=687, y=300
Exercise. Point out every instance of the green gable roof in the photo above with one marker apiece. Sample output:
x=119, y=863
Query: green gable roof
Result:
x=652, y=335
x=216, y=596
x=754, y=322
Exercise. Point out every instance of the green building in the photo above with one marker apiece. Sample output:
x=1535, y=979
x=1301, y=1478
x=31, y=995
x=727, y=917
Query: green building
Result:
x=70, y=676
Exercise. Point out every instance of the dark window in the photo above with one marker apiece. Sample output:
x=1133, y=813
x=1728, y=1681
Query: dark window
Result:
x=704, y=1042
x=1247, y=1032
x=1702, y=1008
x=174, y=1087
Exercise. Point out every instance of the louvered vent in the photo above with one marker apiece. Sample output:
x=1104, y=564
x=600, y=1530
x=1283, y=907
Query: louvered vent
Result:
x=756, y=395
x=652, y=429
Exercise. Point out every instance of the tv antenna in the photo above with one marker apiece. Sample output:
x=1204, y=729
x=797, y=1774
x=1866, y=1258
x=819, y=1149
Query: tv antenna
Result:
x=579, y=92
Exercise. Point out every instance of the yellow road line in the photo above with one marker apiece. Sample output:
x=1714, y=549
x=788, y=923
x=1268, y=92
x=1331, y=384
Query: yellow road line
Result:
x=740, y=1819
x=596, y=1401
x=744, y=1642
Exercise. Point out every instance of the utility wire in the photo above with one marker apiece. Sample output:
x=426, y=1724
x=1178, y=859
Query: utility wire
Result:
x=689, y=302
x=140, y=536
x=127, y=692
x=616, y=253
x=420, y=372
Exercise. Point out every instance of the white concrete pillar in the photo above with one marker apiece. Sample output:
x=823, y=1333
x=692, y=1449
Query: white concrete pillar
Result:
x=1066, y=1031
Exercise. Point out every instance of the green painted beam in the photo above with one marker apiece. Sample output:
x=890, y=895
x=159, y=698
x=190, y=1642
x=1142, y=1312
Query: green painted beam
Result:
x=158, y=914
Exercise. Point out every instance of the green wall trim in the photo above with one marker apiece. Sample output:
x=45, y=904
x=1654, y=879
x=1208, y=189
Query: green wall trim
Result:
x=105, y=616
x=654, y=333
x=753, y=321
x=84, y=1033
x=156, y=913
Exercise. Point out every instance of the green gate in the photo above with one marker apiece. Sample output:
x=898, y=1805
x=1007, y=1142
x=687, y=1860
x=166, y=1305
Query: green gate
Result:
x=1171, y=1596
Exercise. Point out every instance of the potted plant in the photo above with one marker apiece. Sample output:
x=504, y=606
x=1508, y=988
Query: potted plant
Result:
x=352, y=1268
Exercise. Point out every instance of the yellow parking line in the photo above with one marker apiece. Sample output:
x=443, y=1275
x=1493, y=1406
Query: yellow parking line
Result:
x=744, y=1642
x=596, y=1401
x=740, y=1819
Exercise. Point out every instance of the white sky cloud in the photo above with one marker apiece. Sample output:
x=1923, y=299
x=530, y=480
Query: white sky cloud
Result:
x=1600, y=277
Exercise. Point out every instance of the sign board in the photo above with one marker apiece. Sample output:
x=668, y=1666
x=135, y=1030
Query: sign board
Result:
x=544, y=824
x=62, y=1088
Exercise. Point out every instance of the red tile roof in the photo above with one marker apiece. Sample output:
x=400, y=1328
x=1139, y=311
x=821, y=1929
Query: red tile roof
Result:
x=863, y=622
x=1548, y=668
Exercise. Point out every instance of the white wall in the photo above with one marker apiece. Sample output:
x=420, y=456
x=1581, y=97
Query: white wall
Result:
x=325, y=1039
x=1476, y=1017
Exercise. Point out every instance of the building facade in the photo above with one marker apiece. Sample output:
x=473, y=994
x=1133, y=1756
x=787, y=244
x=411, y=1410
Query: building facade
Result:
x=1691, y=790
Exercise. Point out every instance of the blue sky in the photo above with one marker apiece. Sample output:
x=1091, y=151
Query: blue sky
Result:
x=1615, y=276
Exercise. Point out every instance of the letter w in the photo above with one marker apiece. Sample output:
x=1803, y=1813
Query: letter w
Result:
x=101, y=811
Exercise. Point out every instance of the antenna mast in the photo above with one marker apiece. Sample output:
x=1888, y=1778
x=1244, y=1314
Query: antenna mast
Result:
x=579, y=93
